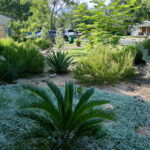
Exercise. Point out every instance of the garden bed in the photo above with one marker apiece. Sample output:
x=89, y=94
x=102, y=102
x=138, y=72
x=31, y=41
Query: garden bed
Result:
x=127, y=133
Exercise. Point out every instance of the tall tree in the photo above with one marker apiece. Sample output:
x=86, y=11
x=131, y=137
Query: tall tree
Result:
x=47, y=10
x=141, y=14
x=106, y=21
x=14, y=9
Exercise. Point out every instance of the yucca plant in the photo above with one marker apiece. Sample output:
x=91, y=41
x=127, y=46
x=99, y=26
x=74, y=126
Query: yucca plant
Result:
x=59, y=61
x=62, y=121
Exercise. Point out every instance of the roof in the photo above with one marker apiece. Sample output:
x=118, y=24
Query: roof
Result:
x=145, y=24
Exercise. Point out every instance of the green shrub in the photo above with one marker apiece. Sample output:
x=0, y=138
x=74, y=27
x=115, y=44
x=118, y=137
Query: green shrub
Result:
x=5, y=44
x=78, y=42
x=20, y=60
x=59, y=39
x=146, y=45
x=59, y=61
x=135, y=50
x=105, y=65
x=8, y=72
x=31, y=60
x=61, y=122
x=42, y=43
x=30, y=44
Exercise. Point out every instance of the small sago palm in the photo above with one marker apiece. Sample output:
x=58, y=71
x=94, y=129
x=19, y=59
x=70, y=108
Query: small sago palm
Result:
x=62, y=121
x=59, y=61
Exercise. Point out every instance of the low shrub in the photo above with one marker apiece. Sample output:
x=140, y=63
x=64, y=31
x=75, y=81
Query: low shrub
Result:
x=138, y=55
x=78, y=42
x=20, y=60
x=105, y=65
x=61, y=122
x=59, y=61
x=30, y=44
x=146, y=45
x=5, y=44
x=42, y=43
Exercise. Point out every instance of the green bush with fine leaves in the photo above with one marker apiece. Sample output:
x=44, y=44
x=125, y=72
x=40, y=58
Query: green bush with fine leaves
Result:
x=146, y=45
x=42, y=43
x=20, y=60
x=105, y=64
x=135, y=50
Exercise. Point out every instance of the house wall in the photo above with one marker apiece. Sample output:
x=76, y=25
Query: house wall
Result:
x=4, y=21
x=2, y=31
x=145, y=30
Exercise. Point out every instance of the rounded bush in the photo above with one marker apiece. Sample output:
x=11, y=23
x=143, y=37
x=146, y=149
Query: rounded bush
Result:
x=20, y=60
x=138, y=55
x=105, y=65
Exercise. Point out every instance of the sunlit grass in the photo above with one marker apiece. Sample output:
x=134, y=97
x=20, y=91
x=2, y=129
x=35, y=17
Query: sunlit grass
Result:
x=78, y=53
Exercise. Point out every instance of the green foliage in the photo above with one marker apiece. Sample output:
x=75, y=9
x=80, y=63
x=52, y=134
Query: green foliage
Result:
x=14, y=9
x=5, y=43
x=59, y=39
x=59, y=61
x=42, y=43
x=20, y=60
x=105, y=65
x=146, y=45
x=135, y=50
x=142, y=14
x=61, y=122
x=104, y=22
x=78, y=42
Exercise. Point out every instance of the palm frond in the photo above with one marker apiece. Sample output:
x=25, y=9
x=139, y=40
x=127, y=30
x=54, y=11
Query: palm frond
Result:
x=69, y=97
x=60, y=100
x=47, y=103
x=42, y=120
x=84, y=98
x=59, y=61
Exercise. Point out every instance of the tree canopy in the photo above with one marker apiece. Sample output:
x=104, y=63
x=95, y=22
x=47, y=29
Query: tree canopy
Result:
x=15, y=9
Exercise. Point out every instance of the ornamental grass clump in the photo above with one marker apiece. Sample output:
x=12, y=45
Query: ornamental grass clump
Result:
x=59, y=61
x=62, y=121
x=105, y=64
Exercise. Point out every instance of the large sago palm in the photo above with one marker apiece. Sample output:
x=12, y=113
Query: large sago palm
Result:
x=63, y=120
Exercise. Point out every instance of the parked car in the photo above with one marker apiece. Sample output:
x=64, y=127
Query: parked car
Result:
x=52, y=33
x=69, y=32
x=38, y=34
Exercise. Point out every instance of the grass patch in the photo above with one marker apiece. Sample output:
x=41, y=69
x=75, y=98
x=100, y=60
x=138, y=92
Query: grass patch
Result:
x=78, y=53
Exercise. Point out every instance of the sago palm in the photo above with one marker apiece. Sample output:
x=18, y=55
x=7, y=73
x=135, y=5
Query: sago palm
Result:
x=62, y=120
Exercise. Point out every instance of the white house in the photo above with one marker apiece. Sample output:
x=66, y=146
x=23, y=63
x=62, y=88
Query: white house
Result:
x=4, y=21
x=141, y=29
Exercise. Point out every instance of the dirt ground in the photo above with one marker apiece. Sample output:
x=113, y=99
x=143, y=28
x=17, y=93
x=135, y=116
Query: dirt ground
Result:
x=139, y=87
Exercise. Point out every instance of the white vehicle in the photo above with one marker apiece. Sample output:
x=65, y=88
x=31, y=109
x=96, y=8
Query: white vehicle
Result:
x=69, y=32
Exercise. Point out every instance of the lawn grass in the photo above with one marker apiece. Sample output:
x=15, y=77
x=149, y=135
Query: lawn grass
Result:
x=78, y=53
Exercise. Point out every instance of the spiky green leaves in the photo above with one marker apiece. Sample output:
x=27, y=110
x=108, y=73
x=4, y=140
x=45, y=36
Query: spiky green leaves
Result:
x=63, y=117
x=59, y=61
